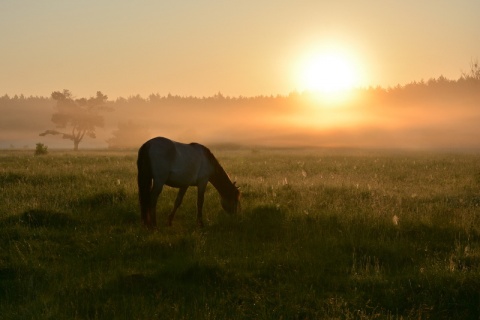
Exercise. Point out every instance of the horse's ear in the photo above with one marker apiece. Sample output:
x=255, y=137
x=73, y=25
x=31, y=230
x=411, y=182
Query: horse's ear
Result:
x=235, y=184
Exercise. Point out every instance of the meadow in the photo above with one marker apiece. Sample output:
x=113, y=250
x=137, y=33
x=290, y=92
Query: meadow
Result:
x=323, y=234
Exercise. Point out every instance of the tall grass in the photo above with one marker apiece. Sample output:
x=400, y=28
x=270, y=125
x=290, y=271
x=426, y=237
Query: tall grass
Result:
x=333, y=234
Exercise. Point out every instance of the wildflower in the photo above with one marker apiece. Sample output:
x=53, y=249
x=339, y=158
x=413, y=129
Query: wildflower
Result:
x=395, y=220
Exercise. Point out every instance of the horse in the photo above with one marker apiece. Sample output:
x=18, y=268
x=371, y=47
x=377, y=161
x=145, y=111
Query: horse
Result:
x=162, y=161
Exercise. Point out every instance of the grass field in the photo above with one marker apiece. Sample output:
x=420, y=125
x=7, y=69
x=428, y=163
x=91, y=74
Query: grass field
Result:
x=323, y=234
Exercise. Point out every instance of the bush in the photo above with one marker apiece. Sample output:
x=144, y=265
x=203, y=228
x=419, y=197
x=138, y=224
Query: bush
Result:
x=41, y=149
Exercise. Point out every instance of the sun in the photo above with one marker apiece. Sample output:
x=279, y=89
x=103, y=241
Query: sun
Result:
x=328, y=73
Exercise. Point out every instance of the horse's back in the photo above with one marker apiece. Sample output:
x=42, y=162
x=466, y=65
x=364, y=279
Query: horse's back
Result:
x=190, y=166
x=177, y=164
x=159, y=147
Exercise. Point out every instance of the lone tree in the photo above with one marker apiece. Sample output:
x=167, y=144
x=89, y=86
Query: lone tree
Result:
x=474, y=72
x=81, y=115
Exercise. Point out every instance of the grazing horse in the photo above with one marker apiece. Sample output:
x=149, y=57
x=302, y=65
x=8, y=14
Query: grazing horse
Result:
x=178, y=165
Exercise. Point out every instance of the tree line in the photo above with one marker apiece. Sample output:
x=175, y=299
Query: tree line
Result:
x=77, y=118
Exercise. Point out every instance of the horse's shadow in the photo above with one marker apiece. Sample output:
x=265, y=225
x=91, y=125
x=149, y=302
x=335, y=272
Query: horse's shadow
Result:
x=264, y=223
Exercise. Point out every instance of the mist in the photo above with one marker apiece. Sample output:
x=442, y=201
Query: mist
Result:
x=439, y=113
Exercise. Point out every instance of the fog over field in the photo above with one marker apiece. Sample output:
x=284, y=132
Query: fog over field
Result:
x=439, y=113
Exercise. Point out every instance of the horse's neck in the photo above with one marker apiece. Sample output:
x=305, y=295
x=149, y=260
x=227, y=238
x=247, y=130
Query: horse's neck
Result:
x=220, y=180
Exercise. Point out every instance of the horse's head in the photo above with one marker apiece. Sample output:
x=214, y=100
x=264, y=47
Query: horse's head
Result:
x=231, y=204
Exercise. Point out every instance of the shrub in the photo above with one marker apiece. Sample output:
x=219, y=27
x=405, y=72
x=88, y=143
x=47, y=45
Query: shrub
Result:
x=41, y=149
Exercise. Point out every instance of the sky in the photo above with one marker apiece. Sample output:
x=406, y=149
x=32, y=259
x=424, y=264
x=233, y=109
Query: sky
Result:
x=239, y=48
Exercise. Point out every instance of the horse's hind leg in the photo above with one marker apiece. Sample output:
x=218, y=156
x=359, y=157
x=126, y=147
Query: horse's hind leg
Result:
x=178, y=202
x=154, y=194
x=145, y=215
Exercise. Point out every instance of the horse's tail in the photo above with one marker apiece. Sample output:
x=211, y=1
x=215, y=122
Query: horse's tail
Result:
x=144, y=180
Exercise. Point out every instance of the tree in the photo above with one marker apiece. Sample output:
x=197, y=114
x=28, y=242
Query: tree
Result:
x=128, y=135
x=474, y=72
x=81, y=115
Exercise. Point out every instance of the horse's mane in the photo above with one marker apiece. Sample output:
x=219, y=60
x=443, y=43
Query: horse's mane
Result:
x=214, y=161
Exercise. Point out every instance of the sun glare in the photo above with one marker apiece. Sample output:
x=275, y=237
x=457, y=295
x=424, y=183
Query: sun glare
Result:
x=328, y=73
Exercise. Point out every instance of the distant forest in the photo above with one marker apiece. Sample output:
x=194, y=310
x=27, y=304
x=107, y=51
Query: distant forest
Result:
x=438, y=113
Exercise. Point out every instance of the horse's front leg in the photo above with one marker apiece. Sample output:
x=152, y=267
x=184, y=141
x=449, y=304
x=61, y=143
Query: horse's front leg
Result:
x=200, y=199
x=178, y=202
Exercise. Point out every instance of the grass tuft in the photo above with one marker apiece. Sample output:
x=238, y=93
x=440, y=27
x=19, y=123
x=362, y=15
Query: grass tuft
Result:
x=43, y=218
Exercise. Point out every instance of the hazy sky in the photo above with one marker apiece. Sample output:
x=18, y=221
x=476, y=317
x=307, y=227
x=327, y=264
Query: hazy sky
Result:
x=201, y=47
